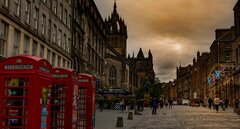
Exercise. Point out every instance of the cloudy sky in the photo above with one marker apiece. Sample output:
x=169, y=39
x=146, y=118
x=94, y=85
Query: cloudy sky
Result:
x=174, y=30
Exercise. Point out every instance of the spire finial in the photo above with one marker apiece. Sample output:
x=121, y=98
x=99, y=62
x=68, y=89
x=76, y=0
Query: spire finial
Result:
x=115, y=6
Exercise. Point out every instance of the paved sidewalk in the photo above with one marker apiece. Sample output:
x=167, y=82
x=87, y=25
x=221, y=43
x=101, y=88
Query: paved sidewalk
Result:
x=107, y=119
x=179, y=117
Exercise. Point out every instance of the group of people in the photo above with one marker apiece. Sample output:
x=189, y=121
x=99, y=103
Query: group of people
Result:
x=218, y=102
x=155, y=103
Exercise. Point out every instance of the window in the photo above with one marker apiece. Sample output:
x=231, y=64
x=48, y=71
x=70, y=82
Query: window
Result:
x=50, y=4
x=69, y=21
x=35, y=17
x=49, y=30
x=27, y=12
x=112, y=76
x=16, y=42
x=54, y=33
x=48, y=55
x=5, y=3
x=59, y=61
x=227, y=45
x=3, y=37
x=61, y=12
x=55, y=6
x=43, y=24
x=17, y=7
x=26, y=45
x=60, y=38
x=53, y=59
x=69, y=2
x=64, y=42
x=67, y=45
x=64, y=63
x=42, y=51
x=228, y=57
x=34, y=48
x=65, y=17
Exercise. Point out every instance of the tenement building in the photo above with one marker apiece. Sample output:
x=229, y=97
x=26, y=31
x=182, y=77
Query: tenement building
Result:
x=37, y=27
x=89, y=41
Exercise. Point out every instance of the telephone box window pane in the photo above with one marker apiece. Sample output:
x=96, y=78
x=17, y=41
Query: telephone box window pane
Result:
x=58, y=106
x=16, y=101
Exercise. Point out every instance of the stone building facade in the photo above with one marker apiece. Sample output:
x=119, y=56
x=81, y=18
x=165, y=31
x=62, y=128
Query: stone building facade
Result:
x=184, y=81
x=89, y=40
x=37, y=27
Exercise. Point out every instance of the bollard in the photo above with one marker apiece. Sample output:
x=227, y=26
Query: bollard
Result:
x=119, y=122
x=136, y=112
x=130, y=115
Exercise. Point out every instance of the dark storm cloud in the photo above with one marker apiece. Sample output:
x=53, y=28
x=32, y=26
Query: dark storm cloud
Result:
x=174, y=30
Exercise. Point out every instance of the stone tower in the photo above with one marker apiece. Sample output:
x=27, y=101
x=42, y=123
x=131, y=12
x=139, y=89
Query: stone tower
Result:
x=116, y=32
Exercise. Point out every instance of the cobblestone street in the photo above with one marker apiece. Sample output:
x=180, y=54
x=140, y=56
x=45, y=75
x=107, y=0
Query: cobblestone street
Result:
x=179, y=117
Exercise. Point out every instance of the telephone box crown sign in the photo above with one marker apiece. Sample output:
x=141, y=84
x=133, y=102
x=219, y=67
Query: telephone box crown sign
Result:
x=18, y=60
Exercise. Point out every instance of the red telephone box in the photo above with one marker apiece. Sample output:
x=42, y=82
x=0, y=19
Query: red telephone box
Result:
x=64, y=95
x=24, y=84
x=86, y=100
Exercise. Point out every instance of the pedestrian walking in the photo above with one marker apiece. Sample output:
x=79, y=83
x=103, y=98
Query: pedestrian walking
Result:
x=235, y=101
x=154, y=105
x=210, y=103
x=226, y=103
x=100, y=103
x=170, y=103
x=222, y=103
x=166, y=103
x=161, y=102
x=216, y=103
x=122, y=104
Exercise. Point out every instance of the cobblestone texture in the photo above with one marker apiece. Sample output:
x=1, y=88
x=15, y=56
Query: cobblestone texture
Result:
x=179, y=117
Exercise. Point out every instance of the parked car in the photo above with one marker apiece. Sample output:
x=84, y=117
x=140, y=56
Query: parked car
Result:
x=185, y=102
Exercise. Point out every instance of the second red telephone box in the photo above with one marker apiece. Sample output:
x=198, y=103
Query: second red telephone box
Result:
x=24, y=84
x=86, y=100
x=64, y=95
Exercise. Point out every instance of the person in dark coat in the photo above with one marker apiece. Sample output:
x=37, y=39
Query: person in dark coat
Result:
x=210, y=103
x=154, y=105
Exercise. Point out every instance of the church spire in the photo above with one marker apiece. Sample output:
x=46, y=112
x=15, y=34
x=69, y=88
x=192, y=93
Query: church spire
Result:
x=115, y=7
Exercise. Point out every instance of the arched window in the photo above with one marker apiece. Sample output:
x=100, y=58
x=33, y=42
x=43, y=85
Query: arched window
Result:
x=112, y=76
